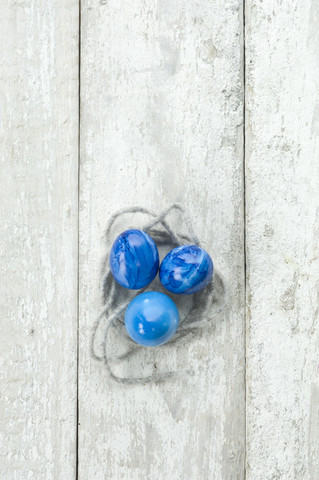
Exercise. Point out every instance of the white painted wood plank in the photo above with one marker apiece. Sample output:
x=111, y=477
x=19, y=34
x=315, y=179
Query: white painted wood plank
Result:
x=161, y=120
x=38, y=239
x=282, y=239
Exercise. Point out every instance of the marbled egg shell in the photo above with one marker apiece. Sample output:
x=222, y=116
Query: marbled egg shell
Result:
x=134, y=259
x=151, y=319
x=186, y=269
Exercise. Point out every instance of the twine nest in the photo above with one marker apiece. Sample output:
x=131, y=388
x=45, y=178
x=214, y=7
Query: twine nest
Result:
x=196, y=311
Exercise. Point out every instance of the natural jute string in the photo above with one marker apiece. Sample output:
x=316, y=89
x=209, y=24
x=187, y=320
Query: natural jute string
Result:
x=206, y=304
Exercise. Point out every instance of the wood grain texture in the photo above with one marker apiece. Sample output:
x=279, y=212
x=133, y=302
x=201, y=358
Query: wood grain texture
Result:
x=161, y=121
x=38, y=239
x=282, y=133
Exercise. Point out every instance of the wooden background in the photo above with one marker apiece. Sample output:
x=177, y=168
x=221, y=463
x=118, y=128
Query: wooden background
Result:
x=114, y=103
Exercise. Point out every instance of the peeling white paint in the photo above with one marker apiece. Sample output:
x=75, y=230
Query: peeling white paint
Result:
x=38, y=244
x=282, y=189
x=162, y=100
x=155, y=111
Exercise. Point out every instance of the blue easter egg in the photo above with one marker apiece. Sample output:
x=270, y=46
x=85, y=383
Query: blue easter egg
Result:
x=186, y=269
x=134, y=259
x=151, y=319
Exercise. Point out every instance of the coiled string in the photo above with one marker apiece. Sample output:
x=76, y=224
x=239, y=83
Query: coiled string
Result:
x=205, y=305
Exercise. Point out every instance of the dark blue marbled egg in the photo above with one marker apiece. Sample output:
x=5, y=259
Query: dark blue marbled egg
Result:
x=186, y=269
x=151, y=319
x=134, y=259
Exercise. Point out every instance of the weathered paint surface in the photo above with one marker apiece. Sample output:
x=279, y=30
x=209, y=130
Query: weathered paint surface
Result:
x=38, y=239
x=161, y=121
x=282, y=200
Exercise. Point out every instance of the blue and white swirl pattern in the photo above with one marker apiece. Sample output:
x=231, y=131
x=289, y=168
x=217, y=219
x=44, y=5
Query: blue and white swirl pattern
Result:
x=186, y=269
x=134, y=259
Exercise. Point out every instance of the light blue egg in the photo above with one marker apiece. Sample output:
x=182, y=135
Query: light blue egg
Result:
x=134, y=259
x=151, y=319
x=186, y=269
